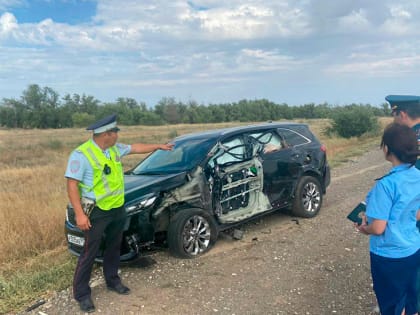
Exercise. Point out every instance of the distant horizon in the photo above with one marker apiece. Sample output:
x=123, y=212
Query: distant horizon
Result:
x=212, y=51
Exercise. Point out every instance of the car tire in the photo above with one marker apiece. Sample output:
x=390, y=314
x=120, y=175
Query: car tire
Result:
x=191, y=233
x=308, y=197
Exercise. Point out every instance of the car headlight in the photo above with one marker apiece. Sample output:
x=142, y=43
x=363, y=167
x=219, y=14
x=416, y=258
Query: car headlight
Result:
x=147, y=201
x=70, y=216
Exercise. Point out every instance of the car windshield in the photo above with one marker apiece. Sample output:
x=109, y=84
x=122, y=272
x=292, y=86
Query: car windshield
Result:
x=185, y=155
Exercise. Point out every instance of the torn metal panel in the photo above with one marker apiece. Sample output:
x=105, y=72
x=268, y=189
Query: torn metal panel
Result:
x=241, y=191
x=195, y=192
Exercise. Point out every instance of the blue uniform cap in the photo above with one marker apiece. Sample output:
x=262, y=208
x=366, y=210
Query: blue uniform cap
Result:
x=403, y=102
x=108, y=123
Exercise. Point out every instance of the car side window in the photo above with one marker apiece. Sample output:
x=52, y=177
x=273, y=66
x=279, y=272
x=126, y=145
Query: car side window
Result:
x=232, y=150
x=232, y=155
x=292, y=138
x=270, y=140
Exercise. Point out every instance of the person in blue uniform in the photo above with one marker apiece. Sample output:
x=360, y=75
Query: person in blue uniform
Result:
x=95, y=176
x=392, y=208
x=406, y=111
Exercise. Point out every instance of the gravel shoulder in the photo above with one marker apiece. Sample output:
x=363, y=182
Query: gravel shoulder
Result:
x=282, y=265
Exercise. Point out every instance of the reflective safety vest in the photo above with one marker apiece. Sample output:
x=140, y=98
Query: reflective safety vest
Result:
x=108, y=176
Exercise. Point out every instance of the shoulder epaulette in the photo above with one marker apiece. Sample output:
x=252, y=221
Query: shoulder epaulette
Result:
x=384, y=176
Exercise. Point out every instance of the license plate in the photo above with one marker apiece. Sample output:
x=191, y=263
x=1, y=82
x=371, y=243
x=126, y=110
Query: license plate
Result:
x=80, y=241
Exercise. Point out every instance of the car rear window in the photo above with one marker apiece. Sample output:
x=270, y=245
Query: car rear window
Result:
x=293, y=138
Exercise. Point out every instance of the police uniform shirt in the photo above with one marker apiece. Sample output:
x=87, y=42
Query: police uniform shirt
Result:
x=395, y=198
x=79, y=168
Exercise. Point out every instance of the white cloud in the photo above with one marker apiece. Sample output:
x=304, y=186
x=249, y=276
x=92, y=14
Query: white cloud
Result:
x=249, y=21
x=377, y=67
x=355, y=21
x=5, y=4
x=252, y=60
x=8, y=24
x=399, y=22
x=215, y=20
x=398, y=11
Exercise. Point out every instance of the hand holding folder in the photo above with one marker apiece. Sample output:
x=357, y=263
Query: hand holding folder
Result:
x=357, y=213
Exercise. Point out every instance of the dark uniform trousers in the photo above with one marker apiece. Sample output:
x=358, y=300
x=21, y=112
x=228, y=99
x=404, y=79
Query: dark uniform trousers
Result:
x=108, y=224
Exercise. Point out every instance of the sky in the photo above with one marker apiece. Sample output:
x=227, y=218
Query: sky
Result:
x=212, y=51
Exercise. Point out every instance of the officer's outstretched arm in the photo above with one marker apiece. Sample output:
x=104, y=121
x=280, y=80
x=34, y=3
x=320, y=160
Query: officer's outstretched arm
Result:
x=147, y=147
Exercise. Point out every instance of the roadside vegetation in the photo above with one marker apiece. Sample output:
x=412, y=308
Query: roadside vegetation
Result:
x=34, y=261
x=43, y=108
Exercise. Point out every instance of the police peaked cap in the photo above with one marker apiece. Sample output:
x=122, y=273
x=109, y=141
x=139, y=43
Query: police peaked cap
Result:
x=403, y=102
x=108, y=123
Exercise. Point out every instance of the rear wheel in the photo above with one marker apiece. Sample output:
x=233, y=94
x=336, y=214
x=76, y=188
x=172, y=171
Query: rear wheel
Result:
x=191, y=233
x=308, y=197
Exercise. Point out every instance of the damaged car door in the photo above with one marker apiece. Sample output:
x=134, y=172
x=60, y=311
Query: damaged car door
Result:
x=282, y=165
x=237, y=180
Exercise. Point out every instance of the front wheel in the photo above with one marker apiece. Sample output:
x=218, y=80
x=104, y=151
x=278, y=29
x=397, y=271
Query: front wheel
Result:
x=191, y=233
x=308, y=197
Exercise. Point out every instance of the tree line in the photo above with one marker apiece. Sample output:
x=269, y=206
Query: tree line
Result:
x=42, y=107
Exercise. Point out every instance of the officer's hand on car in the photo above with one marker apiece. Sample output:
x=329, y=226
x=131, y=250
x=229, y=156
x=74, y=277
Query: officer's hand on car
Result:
x=167, y=146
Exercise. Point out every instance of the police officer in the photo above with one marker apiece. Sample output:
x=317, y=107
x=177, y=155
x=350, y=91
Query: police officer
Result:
x=406, y=111
x=94, y=172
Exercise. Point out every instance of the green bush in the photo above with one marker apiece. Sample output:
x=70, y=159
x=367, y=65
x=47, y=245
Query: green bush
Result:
x=172, y=134
x=353, y=121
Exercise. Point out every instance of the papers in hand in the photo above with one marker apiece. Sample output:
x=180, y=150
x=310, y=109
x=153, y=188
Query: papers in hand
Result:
x=87, y=205
x=356, y=214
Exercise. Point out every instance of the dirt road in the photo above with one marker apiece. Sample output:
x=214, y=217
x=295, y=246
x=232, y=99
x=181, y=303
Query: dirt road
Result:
x=282, y=265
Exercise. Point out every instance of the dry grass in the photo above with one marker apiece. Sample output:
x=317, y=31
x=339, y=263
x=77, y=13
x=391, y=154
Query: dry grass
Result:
x=33, y=198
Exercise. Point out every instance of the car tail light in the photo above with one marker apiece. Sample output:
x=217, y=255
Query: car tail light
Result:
x=323, y=148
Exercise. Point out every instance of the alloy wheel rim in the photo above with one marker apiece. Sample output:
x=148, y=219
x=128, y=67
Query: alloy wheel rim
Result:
x=196, y=235
x=311, y=197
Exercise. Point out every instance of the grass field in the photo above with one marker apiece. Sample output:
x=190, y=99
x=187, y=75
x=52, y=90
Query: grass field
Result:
x=33, y=198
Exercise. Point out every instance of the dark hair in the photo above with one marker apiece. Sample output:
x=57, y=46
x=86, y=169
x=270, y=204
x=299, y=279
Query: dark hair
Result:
x=401, y=141
x=413, y=112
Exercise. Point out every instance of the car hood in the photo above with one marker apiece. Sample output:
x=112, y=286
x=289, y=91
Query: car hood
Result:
x=137, y=186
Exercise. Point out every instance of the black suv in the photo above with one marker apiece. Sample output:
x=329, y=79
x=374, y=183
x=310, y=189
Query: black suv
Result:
x=214, y=180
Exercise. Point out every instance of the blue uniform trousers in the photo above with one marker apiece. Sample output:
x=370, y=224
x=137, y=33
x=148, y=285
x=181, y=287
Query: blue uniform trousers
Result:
x=418, y=276
x=394, y=283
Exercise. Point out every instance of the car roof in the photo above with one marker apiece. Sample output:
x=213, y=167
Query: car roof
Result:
x=225, y=132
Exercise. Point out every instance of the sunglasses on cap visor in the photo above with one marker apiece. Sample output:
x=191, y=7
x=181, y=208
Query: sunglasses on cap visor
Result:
x=395, y=113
